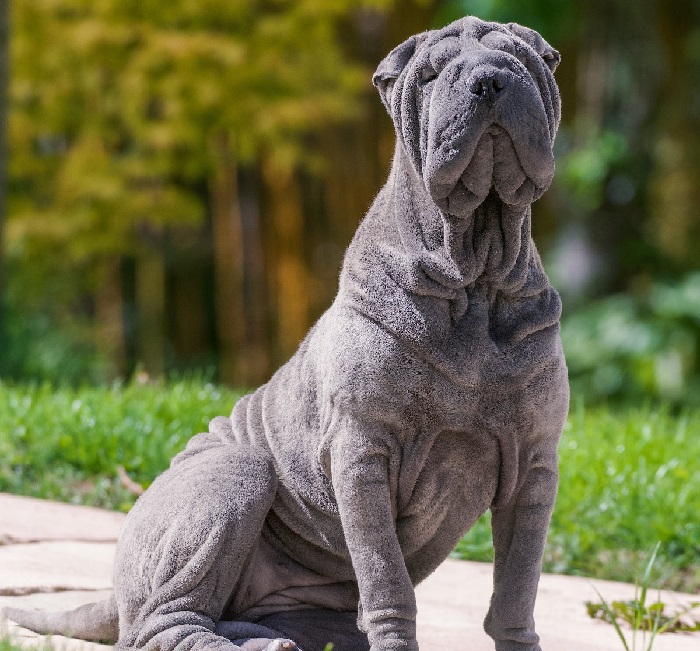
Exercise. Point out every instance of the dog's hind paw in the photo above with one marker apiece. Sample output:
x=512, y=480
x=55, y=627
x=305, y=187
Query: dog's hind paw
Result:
x=281, y=645
x=265, y=644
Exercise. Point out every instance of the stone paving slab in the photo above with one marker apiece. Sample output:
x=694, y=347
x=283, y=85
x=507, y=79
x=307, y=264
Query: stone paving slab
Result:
x=54, y=572
x=55, y=567
x=24, y=520
x=453, y=602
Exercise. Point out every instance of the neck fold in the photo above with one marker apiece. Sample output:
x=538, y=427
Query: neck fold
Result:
x=490, y=250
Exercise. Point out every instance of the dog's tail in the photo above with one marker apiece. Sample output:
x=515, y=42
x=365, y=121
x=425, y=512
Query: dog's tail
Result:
x=96, y=622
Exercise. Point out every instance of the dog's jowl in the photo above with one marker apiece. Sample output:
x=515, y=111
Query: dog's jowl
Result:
x=433, y=389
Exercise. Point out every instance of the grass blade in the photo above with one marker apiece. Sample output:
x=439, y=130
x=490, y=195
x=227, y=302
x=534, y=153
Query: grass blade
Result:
x=674, y=620
x=640, y=603
x=646, y=578
x=613, y=619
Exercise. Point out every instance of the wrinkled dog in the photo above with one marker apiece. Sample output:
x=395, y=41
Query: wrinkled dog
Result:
x=433, y=389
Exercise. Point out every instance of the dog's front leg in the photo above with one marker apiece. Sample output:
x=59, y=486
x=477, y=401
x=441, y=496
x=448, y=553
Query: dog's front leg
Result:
x=519, y=532
x=360, y=465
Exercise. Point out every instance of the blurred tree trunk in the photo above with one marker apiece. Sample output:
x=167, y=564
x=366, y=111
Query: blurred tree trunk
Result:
x=593, y=65
x=228, y=264
x=256, y=356
x=676, y=191
x=358, y=154
x=289, y=275
x=150, y=304
x=4, y=101
x=109, y=317
x=189, y=317
x=189, y=313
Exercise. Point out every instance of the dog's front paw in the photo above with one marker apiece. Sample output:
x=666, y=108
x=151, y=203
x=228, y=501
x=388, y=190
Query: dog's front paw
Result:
x=510, y=645
x=395, y=645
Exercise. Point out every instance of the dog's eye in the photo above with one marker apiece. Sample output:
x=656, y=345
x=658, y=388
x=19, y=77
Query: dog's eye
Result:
x=427, y=74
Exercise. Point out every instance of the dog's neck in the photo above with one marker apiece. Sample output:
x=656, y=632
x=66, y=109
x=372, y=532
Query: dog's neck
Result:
x=489, y=251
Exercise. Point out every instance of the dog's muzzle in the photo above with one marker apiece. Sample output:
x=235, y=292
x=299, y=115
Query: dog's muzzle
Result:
x=487, y=128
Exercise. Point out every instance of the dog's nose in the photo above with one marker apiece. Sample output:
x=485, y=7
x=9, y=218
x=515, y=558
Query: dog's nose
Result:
x=487, y=83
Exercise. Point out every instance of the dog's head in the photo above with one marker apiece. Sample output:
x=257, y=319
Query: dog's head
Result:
x=477, y=108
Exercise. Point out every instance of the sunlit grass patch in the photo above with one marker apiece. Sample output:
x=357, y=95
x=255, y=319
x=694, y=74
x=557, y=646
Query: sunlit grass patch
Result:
x=629, y=477
x=8, y=643
x=646, y=619
x=67, y=444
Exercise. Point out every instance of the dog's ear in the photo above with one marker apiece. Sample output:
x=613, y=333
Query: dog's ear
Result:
x=550, y=56
x=391, y=67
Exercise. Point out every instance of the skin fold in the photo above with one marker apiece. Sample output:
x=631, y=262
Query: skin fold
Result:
x=433, y=389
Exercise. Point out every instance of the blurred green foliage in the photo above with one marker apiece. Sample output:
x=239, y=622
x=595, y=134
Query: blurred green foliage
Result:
x=585, y=170
x=636, y=347
x=8, y=643
x=120, y=109
x=127, y=115
x=33, y=347
x=541, y=15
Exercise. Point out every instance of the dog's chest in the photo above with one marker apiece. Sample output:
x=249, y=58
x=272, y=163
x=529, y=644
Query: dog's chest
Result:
x=466, y=379
x=443, y=477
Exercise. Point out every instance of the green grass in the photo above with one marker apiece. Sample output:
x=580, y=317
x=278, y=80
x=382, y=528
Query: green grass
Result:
x=647, y=619
x=7, y=643
x=629, y=480
x=629, y=476
x=66, y=444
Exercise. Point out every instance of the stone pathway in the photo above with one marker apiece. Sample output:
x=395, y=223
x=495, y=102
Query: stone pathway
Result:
x=57, y=556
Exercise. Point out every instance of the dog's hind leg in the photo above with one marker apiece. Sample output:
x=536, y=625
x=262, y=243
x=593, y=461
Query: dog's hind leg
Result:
x=185, y=543
x=315, y=628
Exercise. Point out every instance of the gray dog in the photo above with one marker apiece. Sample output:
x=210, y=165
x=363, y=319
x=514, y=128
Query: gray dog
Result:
x=433, y=389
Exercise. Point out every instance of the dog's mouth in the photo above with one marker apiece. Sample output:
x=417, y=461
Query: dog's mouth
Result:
x=495, y=166
x=476, y=144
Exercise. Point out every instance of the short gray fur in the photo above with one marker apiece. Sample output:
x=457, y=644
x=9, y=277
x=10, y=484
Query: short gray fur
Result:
x=433, y=389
